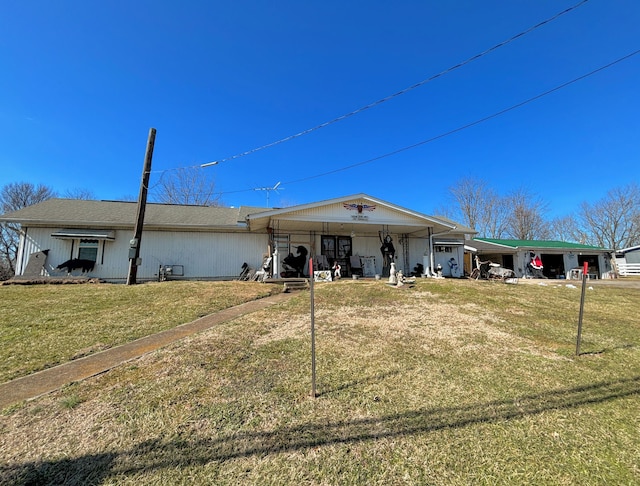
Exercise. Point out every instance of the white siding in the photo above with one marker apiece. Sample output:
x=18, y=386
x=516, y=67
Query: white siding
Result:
x=39, y=239
x=203, y=255
x=418, y=248
x=381, y=215
x=443, y=259
x=369, y=246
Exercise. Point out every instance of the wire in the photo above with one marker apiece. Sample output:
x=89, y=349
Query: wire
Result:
x=401, y=92
x=459, y=129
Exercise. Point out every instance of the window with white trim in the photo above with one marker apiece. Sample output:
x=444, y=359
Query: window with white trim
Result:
x=88, y=250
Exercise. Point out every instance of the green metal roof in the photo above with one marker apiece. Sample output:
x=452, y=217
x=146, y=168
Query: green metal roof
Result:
x=540, y=244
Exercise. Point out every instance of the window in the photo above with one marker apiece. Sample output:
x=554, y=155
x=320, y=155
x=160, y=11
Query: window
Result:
x=329, y=247
x=88, y=250
x=444, y=249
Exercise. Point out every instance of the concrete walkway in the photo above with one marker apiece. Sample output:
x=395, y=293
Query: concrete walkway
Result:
x=51, y=379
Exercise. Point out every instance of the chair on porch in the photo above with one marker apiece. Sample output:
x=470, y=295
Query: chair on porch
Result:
x=262, y=274
x=356, y=265
x=320, y=262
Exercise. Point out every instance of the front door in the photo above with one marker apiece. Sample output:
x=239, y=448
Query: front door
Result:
x=337, y=248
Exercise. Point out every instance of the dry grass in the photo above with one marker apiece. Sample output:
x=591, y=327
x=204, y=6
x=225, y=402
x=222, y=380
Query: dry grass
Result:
x=44, y=325
x=451, y=382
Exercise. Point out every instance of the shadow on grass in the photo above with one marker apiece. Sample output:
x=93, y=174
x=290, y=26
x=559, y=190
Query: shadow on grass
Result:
x=357, y=383
x=606, y=350
x=178, y=452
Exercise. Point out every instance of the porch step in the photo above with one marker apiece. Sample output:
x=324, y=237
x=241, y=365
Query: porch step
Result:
x=301, y=284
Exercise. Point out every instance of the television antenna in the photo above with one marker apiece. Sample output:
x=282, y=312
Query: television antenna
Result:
x=268, y=190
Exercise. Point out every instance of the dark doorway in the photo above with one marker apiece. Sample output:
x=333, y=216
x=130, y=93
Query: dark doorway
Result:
x=507, y=261
x=553, y=265
x=592, y=261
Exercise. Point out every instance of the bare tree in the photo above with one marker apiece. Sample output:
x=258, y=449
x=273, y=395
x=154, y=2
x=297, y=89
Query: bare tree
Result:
x=525, y=220
x=14, y=196
x=479, y=207
x=79, y=193
x=495, y=216
x=614, y=221
x=186, y=186
x=470, y=195
x=568, y=228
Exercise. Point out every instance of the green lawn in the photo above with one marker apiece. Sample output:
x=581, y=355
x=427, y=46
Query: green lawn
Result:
x=449, y=382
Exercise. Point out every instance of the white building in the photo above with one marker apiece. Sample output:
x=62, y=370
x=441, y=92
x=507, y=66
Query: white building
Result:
x=559, y=258
x=199, y=242
x=627, y=261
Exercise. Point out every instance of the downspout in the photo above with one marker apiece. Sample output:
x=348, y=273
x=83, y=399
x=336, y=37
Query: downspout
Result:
x=431, y=261
x=20, y=263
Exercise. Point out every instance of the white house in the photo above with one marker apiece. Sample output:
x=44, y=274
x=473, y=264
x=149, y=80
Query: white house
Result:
x=627, y=261
x=199, y=242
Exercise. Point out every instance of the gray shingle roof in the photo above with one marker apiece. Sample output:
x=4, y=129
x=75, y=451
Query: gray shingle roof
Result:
x=77, y=212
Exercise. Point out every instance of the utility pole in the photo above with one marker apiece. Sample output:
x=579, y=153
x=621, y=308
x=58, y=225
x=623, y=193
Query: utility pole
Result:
x=313, y=332
x=585, y=271
x=134, y=244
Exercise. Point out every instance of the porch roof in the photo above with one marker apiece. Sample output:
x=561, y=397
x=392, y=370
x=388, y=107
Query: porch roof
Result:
x=359, y=213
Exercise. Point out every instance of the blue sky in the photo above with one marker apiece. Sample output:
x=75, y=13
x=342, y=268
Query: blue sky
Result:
x=83, y=82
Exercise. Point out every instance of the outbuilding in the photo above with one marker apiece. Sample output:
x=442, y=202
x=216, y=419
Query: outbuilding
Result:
x=361, y=233
x=559, y=259
x=627, y=261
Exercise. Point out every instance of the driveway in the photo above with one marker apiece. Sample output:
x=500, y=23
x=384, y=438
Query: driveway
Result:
x=624, y=283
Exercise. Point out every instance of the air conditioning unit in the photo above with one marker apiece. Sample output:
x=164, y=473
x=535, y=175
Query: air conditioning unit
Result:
x=167, y=271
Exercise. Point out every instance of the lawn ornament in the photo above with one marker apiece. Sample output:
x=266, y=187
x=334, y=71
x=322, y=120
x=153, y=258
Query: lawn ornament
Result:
x=337, y=270
x=535, y=266
x=393, y=278
x=293, y=266
x=388, y=254
x=454, y=270
x=74, y=263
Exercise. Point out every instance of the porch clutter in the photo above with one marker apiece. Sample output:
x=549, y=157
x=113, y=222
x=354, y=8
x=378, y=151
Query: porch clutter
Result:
x=454, y=270
x=535, y=266
x=388, y=254
x=293, y=266
x=397, y=278
x=36, y=263
x=488, y=270
x=418, y=270
x=402, y=280
x=542, y=259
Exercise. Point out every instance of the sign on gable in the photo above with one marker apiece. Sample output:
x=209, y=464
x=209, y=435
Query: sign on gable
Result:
x=359, y=208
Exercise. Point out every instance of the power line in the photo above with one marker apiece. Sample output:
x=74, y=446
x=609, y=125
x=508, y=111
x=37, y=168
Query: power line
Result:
x=459, y=129
x=401, y=92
